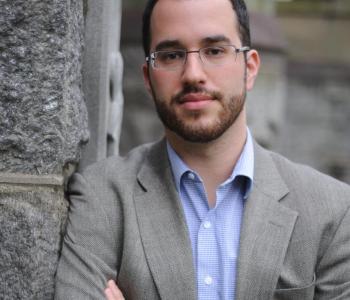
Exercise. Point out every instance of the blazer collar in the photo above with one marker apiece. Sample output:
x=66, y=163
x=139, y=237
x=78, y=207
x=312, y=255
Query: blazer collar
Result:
x=163, y=228
x=266, y=230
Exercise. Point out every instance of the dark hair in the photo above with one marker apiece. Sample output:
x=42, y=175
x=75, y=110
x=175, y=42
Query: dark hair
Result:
x=239, y=7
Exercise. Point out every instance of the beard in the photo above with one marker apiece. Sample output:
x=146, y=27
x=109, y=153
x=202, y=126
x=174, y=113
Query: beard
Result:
x=192, y=131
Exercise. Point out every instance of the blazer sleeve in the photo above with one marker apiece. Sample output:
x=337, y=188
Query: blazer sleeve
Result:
x=333, y=272
x=89, y=256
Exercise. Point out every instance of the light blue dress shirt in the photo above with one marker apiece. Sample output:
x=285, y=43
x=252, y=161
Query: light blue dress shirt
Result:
x=215, y=232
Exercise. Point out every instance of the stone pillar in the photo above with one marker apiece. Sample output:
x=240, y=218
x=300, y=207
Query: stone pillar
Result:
x=103, y=70
x=42, y=125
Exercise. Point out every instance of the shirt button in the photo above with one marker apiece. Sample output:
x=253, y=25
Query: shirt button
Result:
x=207, y=224
x=191, y=176
x=208, y=280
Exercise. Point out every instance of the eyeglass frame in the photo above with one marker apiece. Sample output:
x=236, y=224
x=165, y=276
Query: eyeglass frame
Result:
x=152, y=57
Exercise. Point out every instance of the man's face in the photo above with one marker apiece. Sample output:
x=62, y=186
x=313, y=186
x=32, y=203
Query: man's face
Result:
x=198, y=102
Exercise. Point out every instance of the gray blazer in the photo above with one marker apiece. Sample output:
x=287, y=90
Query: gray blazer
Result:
x=126, y=223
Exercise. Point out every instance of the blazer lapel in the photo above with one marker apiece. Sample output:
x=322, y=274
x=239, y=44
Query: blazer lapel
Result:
x=266, y=230
x=163, y=228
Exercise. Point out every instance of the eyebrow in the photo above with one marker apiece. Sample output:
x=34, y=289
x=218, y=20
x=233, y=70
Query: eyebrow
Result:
x=168, y=44
x=215, y=39
x=205, y=41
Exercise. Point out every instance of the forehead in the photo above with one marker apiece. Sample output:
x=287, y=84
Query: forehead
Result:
x=192, y=21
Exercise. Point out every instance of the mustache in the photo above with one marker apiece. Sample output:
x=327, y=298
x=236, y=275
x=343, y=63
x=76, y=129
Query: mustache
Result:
x=188, y=89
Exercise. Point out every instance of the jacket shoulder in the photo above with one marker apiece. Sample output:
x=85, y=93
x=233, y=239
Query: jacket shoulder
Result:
x=122, y=169
x=303, y=174
x=308, y=183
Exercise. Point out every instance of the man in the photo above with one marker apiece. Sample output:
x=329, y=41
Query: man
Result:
x=205, y=213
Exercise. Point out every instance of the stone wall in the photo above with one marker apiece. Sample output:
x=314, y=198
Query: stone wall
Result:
x=42, y=127
x=317, y=111
x=316, y=128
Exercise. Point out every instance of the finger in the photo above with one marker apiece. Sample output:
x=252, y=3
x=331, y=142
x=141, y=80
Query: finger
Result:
x=114, y=290
x=109, y=294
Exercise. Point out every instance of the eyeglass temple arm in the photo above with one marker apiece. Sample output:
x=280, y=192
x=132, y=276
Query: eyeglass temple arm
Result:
x=243, y=49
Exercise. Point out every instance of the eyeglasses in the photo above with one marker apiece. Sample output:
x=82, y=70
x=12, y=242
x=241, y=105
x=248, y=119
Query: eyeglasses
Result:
x=176, y=59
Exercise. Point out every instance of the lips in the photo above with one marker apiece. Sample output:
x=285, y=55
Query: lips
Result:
x=195, y=101
x=195, y=97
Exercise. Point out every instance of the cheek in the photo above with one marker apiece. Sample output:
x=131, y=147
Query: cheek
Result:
x=230, y=83
x=231, y=78
x=164, y=84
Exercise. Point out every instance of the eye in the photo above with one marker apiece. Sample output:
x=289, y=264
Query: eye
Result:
x=170, y=56
x=213, y=52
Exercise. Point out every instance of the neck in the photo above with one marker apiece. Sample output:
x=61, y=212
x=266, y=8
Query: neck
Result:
x=213, y=161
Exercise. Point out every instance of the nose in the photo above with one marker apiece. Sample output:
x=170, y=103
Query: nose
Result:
x=193, y=71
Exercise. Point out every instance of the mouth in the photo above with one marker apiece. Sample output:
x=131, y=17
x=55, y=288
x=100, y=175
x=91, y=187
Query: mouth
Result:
x=195, y=97
x=195, y=101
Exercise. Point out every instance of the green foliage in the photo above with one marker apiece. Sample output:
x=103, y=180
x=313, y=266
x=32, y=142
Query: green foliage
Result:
x=336, y=8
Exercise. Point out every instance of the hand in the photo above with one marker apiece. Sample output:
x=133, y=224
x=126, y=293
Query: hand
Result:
x=112, y=291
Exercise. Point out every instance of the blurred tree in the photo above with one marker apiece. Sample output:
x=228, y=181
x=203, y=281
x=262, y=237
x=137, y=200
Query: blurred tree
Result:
x=262, y=6
x=331, y=8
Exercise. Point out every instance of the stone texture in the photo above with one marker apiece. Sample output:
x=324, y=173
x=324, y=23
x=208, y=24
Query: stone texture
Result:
x=43, y=124
x=31, y=221
x=43, y=116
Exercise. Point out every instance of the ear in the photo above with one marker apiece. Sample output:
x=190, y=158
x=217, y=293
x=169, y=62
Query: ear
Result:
x=253, y=66
x=146, y=77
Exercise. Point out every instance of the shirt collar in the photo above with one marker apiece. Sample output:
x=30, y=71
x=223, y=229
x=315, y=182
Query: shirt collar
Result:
x=244, y=166
x=178, y=166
